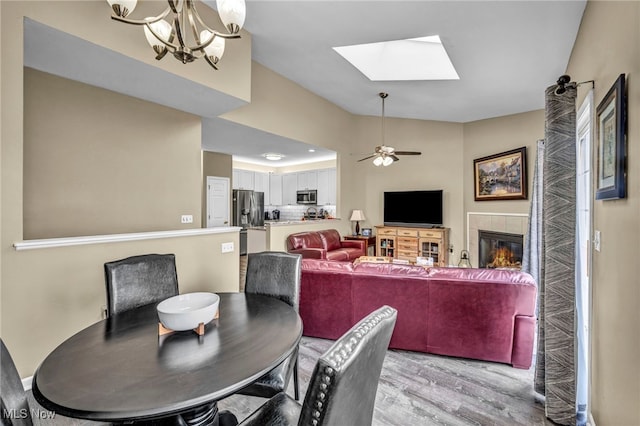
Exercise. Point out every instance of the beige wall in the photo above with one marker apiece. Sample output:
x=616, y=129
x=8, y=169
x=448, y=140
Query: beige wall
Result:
x=495, y=135
x=439, y=167
x=97, y=162
x=47, y=294
x=607, y=45
x=284, y=108
x=50, y=294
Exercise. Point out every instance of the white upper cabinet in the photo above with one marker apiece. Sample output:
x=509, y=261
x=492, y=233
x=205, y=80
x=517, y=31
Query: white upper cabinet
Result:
x=326, y=186
x=261, y=184
x=242, y=179
x=307, y=179
x=275, y=190
x=281, y=189
x=289, y=188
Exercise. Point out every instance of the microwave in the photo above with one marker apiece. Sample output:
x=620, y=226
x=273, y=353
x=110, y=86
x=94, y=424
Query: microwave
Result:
x=308, y=196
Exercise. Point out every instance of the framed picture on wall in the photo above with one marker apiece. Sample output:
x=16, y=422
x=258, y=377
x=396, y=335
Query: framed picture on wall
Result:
x=501, y=176
x=611, y=124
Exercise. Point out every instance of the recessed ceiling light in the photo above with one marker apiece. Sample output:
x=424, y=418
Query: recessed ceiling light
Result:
x=423, y=58
x=273, y=156
x=312, y=150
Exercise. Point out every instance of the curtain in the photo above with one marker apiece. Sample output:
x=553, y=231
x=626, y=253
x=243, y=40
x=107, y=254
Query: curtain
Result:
x=532, y=256
x=550, y=256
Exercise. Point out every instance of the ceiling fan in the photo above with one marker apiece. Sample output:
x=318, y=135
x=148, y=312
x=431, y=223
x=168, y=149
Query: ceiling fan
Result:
x=383, y=154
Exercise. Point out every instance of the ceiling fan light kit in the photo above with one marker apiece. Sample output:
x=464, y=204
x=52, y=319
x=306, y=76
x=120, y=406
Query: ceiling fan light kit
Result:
x=203, y=42
x=386, y=155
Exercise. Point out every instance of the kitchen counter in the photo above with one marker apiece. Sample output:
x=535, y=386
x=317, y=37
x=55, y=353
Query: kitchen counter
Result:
x=298, y=222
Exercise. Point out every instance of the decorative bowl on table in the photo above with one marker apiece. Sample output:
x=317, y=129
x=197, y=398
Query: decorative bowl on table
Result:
x=187, y=311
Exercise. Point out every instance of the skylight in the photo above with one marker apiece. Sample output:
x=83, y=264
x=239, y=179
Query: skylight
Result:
x=423, y=58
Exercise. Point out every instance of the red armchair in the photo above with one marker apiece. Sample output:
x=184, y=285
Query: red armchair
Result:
x=326, y=244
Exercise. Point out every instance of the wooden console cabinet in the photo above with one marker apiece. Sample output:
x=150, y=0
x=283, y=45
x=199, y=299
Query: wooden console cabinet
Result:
x=401, y=242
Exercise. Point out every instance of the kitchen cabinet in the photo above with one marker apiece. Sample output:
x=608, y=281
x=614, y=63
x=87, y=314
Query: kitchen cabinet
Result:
x=261, y=184
x=256, y=240
x=242, y=179
x=307, y=179
x=289, y=188
x=275, y=190
x=326, y=187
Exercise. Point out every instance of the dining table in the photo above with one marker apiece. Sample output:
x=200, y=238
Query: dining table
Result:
x=122, y=370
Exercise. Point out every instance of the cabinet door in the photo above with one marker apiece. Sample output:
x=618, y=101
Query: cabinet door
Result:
x=432, y=247
x=242, y=179
x=289, y=188
x=307, y=180
x=323, y=187
x=275, y=190
x=385, y=246
x=261, y=184
x=235, y=179
x=327, y=186
x=333, y=189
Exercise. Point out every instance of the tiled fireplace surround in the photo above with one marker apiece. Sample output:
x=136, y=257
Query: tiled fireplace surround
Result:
x=512, y=223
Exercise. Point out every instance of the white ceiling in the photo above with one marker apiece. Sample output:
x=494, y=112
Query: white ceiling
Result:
x=505, y=52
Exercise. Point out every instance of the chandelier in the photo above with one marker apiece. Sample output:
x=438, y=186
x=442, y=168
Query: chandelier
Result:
x=187, y=37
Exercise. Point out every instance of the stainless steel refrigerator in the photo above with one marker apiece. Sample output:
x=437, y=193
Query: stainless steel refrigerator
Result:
x=248, y=212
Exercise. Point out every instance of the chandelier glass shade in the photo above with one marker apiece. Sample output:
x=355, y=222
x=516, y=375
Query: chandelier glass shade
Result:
x=187, y=37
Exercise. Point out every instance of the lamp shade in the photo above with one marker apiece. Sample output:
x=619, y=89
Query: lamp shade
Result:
x=232, y=13
x=215, y=49
x=162, y=28
x=123, y=7
x=357, y=215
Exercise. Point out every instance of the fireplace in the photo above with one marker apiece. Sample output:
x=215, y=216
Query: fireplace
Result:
x=499, y=250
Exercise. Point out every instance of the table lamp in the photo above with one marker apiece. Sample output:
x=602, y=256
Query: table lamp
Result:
x=356, y=217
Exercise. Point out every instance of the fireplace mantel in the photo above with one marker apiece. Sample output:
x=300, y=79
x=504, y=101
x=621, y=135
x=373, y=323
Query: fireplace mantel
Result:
x=513, y=223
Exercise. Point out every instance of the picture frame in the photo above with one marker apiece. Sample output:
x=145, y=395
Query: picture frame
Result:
x=501, y=176
x=611, y=117
x=366, y=232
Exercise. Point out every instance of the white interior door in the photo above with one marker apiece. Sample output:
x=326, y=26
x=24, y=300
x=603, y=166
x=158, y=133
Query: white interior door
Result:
x=218, y=201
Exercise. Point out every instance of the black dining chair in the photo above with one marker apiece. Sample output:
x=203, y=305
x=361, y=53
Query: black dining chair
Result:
x=343, y=386
x=275, y=274
x=139, y=280
x=13, y=398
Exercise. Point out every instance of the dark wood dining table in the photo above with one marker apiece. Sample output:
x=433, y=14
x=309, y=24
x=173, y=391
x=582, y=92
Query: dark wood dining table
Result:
x=120, y=370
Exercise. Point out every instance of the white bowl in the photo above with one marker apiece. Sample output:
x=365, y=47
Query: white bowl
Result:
x=186, y=311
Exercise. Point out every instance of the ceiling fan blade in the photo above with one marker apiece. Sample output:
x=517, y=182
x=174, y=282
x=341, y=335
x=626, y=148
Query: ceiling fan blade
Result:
x=407, y=153
x=366, y=158
x=394, y=157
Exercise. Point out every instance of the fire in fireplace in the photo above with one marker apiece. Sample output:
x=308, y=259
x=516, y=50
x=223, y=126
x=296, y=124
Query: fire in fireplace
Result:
x=499, y=250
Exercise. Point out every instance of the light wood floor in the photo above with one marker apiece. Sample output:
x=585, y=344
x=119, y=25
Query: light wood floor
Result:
x=420, y=389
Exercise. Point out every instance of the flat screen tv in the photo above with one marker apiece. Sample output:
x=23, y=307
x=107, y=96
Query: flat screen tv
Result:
x=413, y=208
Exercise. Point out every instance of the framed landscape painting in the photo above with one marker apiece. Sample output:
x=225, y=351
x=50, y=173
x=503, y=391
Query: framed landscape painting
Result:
x=501, y=176
x=611, y=121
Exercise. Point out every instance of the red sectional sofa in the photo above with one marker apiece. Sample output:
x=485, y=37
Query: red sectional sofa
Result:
x=483, y=314
x=325, y=244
